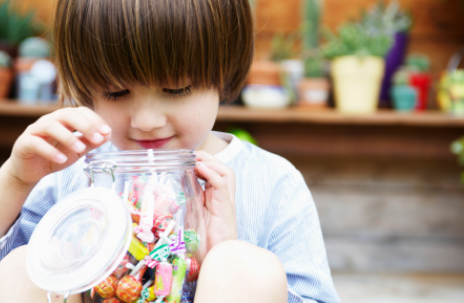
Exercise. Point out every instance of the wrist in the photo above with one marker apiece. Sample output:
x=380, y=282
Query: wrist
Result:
x=14, y=182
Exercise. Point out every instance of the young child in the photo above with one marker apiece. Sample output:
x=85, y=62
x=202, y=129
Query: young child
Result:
x=150, y=74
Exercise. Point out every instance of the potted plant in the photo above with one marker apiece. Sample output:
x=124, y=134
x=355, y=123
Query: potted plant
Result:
x=394, y=21
x=457, y=148
x=6, y=74
x=270, y=81
x=404, y=95
x=15, y=28
x=313, y=89
x=357, y=66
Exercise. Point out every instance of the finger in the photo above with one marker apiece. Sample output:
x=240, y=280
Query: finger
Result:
x=214, y=179
x=34, y=145
x=79, y=119
x=55, y=130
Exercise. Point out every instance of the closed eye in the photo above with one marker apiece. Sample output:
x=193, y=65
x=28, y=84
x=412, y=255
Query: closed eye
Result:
x=112, y=96
x=178, y=92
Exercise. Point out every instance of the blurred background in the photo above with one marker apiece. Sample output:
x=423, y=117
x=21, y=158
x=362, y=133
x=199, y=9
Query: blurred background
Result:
x=365, y=97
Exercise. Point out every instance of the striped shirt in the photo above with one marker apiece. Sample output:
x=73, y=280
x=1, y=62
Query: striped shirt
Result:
x=275, y=211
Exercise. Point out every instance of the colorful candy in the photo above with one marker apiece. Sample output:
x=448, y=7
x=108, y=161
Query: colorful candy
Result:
x=122, y=267
x=159, y=244
x=178, y=277
x=192, y=241
x=160, y=253
x=178, y=244
x=130, y=287
x=137, y=249
x=194, y=269
x=163, y=278
x=107, y=288
x=161, y=224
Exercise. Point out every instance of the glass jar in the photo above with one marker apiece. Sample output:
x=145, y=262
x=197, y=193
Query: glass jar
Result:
x=134, y=235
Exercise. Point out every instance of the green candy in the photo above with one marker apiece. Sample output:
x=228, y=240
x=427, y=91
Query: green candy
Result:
x=192, y=241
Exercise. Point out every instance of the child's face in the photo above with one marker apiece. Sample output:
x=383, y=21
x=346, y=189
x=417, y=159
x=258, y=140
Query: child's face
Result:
x=158, y=117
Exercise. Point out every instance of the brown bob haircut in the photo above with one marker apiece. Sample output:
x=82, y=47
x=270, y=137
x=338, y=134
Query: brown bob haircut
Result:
x=103, y=44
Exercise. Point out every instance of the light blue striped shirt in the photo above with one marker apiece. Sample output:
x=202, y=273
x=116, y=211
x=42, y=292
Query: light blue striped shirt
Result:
x=275, y=211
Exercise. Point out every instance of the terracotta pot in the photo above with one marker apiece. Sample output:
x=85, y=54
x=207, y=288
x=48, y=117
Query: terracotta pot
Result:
x=6, y=77
x=264, y=73
x=313, y=92
x=10, y=49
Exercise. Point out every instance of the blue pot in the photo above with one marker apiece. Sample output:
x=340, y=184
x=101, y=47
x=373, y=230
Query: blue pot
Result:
x=404, y=98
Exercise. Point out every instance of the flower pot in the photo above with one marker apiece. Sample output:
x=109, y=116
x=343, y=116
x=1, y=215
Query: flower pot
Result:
x=264, y=73
x=265, y=96
x=422, y=82
x=6, y=77
x=404, y=98
x=357, y=83
x=313, y=92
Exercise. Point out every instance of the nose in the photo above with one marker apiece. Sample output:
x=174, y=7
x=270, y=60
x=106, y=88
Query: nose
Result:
x=146, y=116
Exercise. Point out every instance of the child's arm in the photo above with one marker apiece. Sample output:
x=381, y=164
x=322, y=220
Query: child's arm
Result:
x=45, y=147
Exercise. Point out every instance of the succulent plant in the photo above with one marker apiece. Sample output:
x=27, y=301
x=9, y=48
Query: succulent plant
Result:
x=312, y=55
x=15, y=27
x=457, y=148
x=5, y=60
x=34, y=47
x=355, y=39
x=387, y=18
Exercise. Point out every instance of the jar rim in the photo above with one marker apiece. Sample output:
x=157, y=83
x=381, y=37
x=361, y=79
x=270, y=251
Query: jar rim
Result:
x=147, y=160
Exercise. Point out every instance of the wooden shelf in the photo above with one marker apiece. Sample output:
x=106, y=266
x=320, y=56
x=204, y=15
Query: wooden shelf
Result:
x=305, y=132
x=286, y=115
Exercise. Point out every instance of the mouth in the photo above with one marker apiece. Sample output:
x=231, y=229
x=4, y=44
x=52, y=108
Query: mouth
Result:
x=153, y=144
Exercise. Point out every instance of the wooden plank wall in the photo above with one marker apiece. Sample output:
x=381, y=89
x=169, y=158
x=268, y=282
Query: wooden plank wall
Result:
x=437, y=31
x=388, y=215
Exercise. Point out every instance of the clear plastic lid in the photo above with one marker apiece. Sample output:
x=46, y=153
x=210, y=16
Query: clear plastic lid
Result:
x=79, y=242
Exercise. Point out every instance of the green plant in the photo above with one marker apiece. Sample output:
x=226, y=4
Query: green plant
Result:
x=283, y=46
x=389, y=19
x=5, y=60
x=356, y=39
x=15, y=27
x=418, y=63
x=457, y=148
x=312, y=56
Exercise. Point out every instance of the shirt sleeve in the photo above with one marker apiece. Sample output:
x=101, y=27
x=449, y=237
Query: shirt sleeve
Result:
x=297, y=240
x=42, y=197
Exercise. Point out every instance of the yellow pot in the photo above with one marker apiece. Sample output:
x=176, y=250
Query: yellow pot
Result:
x=357, y=82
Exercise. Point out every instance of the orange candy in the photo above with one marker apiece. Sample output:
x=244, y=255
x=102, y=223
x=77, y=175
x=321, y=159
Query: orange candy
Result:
x=112, y=300
x=129, y=289
x=107, y=288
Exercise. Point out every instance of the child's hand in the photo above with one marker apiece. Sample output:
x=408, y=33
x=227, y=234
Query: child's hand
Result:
x=219, y=198
x=49, y=145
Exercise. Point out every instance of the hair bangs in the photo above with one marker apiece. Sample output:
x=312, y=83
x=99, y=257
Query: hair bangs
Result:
x=102, y=44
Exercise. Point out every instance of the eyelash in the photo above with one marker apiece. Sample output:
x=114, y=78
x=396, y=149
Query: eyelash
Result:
x=112, y=96
x=179, y=92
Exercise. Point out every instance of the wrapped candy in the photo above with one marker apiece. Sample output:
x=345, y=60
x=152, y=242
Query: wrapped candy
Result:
x=163, y=278
x=130, y=287
x=111, y=300
x=161, y=223
x=194, y=269
x=192, y=240
x=107, y=288
x=122, y=267
x=178, y=277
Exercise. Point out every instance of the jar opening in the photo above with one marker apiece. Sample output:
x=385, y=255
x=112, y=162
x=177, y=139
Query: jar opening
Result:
x=140, y=161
